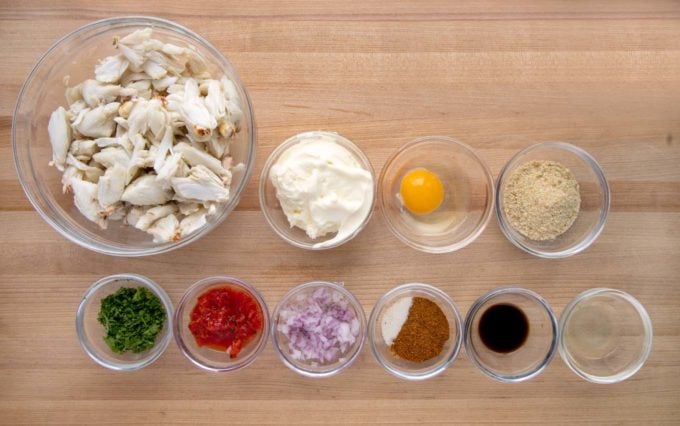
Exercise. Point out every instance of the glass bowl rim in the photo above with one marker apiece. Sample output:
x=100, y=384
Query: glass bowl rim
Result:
x=472, y=313
x=36, y=196
x=196, y=288
x=165, y=338
x=601, y=179
x=356, y=305
x=486, y=217
x=442, y=297
x=276, y=153
x=644, y=319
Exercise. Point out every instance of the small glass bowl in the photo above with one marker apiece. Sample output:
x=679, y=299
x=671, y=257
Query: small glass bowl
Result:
x=312, y=368
x=595, y=199
x=406, y=369
x=605, y=335
x=91, y=333
x=211, y=359
x=468, y=200
x=533, y=356
x=272, y=208
x=75, y=55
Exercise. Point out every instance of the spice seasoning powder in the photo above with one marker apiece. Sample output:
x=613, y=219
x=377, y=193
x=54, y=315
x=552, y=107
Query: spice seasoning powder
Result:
x=423, y=334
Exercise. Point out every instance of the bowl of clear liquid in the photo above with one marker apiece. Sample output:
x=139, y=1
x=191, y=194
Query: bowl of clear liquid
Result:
x=605, y=335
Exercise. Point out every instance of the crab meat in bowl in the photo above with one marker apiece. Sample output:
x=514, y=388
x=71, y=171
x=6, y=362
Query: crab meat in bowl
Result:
x=147, y=140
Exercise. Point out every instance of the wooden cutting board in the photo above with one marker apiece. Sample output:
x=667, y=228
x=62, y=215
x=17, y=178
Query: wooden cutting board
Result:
x=497, y=75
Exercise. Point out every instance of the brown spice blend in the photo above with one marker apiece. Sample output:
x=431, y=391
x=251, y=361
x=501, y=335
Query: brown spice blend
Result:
x=424, y=333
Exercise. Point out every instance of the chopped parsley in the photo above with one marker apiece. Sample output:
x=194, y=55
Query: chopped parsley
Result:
x=132, y=318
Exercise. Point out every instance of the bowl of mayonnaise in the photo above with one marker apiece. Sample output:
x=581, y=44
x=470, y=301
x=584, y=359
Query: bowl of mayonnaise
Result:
x=317, y=190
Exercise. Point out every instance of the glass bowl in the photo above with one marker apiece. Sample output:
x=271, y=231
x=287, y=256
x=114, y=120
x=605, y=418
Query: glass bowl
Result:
x=272, y=208
x=212, y=359
x=75, y=55
x=91, y=333
x=605, y=335
x=533, y=354
x=406, y=369
x=595, y=199
x=313, y=368
x=468, y=195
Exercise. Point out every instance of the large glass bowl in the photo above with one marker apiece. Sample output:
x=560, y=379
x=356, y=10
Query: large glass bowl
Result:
x=75, y=56
x=595, y=200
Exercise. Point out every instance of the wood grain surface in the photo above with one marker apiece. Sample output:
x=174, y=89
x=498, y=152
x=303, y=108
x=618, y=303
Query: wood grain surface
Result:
x=604, y=75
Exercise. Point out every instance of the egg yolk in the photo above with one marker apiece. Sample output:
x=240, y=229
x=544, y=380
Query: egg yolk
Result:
x=421, y=191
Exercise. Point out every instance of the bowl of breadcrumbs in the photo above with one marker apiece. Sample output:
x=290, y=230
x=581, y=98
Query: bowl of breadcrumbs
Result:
x=552, y=200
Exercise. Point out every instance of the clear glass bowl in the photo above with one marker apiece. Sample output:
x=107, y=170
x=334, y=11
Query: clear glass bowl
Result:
x=211, y=359
x=468, y=200
x=406, y=369
x=272, y=208
x=75, y=55
x=595, y=199
x=313, y=368
x=605, y=335
x=533, y=356
x=91, y=333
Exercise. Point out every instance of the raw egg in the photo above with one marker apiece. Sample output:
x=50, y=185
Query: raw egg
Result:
x=421, y=191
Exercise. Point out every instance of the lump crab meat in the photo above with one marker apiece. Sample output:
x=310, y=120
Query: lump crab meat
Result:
x=200, y=185
x=97, y=122
x=193, y=222
x=111, y=69
x=85, y=199
x=97, y=93
x=146, y=191
x=146, y=140
x=59, y=131
x=111, y=185
x=150, y=216
x=165, y=229
x=196, y=157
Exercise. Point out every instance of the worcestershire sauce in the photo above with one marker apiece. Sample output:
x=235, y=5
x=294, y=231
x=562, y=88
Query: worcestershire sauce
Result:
x=503, y=328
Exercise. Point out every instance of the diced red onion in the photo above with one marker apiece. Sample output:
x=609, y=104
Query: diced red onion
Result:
x=320, y=326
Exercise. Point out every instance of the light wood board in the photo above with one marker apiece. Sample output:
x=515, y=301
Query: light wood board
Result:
x=497, y=75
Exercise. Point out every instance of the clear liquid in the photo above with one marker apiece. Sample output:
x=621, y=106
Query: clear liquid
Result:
x=592, y=332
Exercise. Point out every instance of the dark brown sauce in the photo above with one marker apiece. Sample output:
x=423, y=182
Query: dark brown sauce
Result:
x=503, y=328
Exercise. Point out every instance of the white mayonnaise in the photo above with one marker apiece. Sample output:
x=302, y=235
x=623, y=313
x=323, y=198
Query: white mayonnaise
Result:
x=322, y=188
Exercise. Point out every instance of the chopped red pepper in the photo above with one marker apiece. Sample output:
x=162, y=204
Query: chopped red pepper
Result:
x=225, y=319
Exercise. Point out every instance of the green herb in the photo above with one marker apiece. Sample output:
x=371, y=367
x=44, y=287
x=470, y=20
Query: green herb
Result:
x=132, y=318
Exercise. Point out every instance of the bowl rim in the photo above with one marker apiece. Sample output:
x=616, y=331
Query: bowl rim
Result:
x=197, y=288
x=35, y=196
x=486, y=217
x=359, y=311
x=644, y=318
x=161, y=344
x=472, y=313
x=276, y=153
x=588, y=239
x=441, y=296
